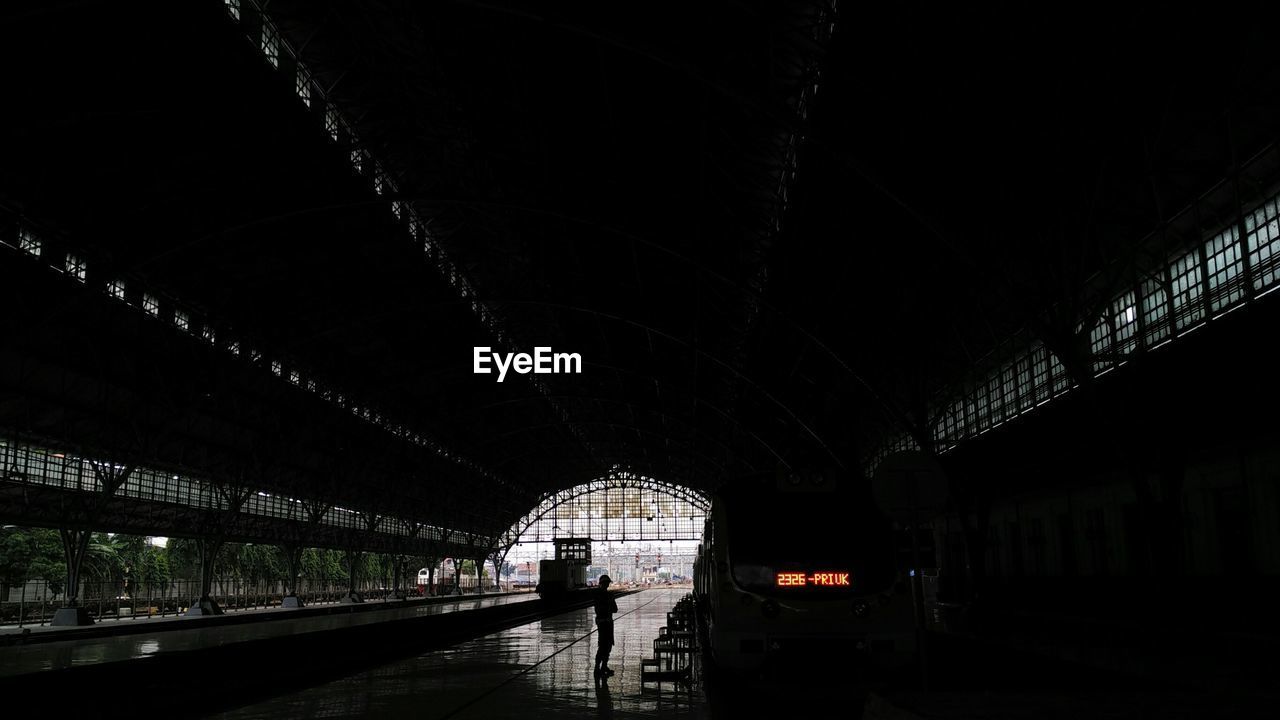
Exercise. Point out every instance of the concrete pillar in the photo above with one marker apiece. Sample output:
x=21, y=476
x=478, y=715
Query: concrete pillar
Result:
x=208, y=550
x=293, y=563
x=353, y=566
x=397, y=577
x=75, y=543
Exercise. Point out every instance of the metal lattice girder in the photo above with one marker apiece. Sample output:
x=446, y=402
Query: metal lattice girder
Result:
x=39, y=506
x=617, y=480
x=182, y=505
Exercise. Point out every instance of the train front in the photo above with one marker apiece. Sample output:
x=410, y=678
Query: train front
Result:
x=796, y=580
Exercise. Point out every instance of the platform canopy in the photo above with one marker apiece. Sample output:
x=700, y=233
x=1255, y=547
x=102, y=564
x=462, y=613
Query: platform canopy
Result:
x=264, y=243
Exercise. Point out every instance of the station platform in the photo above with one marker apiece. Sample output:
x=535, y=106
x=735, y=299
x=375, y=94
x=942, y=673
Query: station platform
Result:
x=155, y=639
x=539, y=670
x=502, y=656
x=192, y=670
x=109, y=626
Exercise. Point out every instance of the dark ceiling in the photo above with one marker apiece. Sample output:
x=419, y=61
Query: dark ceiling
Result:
x=608, y=178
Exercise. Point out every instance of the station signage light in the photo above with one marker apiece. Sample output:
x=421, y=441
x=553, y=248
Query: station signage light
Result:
x=814, y=579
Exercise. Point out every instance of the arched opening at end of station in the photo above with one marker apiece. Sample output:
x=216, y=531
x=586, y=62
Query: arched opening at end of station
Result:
x=638, y=530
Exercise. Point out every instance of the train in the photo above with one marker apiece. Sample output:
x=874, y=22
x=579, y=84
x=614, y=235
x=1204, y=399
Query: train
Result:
x=567, y=571
x=789, y=574
x=446, y=583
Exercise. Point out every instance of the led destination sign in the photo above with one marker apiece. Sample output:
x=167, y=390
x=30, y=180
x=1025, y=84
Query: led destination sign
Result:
x=817, y=579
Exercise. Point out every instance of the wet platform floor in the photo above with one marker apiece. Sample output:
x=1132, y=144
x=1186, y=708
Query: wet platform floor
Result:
x=542, y=669
x=153, y=646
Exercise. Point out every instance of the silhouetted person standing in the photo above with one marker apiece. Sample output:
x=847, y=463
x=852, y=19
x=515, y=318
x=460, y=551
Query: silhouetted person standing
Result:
x=605, y=606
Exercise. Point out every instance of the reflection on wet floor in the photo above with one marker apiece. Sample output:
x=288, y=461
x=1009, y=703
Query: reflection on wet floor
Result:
x=22, y=659
x=542, y=669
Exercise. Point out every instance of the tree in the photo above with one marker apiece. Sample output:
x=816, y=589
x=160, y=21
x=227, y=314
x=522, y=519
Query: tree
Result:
x=469, y=569
x=31, y=554
x=49, y=563
x=152, y=568
x=102, y=561
x=255, y=563
x=17, y=553
x=319, y=563
x=183, y=558
x=131, y=561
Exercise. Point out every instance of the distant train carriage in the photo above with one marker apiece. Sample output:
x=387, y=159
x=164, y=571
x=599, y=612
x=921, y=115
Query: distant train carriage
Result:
x=445, y=582
x=787, y=577
x=568, y=570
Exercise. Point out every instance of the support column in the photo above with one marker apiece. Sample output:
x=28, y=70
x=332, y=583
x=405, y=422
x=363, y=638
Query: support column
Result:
x=457, y=576
x=353, y=565
x=208, y=549
x=497, y=574
x=315, y=512
x=397, y=580
x=75, y=543
x=479, y=563
x=293, y=564
x=235, y=496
